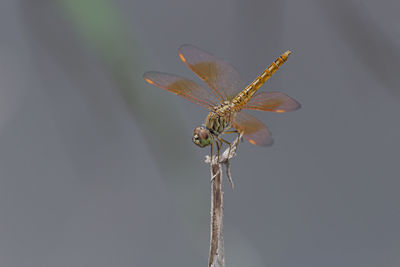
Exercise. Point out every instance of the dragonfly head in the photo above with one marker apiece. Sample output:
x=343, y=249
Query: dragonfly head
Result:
x=202, y=136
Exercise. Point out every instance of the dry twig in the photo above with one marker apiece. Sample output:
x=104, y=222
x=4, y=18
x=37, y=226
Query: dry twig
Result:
x=216, y=258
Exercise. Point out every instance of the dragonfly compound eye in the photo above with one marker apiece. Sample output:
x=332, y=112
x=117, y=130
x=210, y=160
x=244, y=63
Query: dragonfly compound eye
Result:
x=201, y=136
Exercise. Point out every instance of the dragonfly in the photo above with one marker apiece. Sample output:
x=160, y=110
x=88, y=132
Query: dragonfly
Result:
x=225, y=99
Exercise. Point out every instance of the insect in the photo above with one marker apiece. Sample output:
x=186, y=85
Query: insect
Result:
x=226, y=99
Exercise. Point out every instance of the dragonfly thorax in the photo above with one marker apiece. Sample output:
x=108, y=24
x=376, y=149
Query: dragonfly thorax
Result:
x=216, y=123
x=220, y=119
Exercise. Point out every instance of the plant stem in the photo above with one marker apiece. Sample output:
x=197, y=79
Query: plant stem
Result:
x=216, y=258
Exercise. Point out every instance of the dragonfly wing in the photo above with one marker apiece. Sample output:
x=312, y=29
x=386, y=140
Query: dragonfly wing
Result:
x=272, y=101
x=186, y=88
x=220, y=76
x=253, y=129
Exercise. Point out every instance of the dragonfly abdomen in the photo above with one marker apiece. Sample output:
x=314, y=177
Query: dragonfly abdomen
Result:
x=243, y=97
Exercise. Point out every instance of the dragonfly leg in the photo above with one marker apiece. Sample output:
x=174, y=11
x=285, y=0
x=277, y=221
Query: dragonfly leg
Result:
x=234, y=131
x=239, y=136
x=228, y=132
x=226, y=142
x=211, y=155
x=223, y=140
x=218, y=149
x=228, y=174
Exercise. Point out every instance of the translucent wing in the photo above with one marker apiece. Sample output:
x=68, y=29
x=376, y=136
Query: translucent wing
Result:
x=272, y=101
x=220, y=76
x=254, y=130
x=186, y=88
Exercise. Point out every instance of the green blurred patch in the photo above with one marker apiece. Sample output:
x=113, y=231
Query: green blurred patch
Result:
x=100, y=22
x=101, y=25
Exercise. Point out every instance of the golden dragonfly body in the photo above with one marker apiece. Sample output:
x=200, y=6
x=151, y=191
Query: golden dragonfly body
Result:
x=221, y=118
x=226, y=99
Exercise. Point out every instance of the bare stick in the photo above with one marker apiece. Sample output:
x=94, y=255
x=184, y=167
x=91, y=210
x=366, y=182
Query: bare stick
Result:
x=217, y=258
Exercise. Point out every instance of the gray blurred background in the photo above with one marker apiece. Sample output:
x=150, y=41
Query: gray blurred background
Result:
x=97, y=168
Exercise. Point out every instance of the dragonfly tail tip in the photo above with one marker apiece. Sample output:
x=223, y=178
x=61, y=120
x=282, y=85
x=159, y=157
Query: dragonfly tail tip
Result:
x=286, y=55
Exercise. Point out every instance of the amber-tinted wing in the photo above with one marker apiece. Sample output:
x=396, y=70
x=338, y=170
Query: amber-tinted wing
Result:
x=272, y=101
x=254, y=130
x=186, y=88
x=220, y=76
